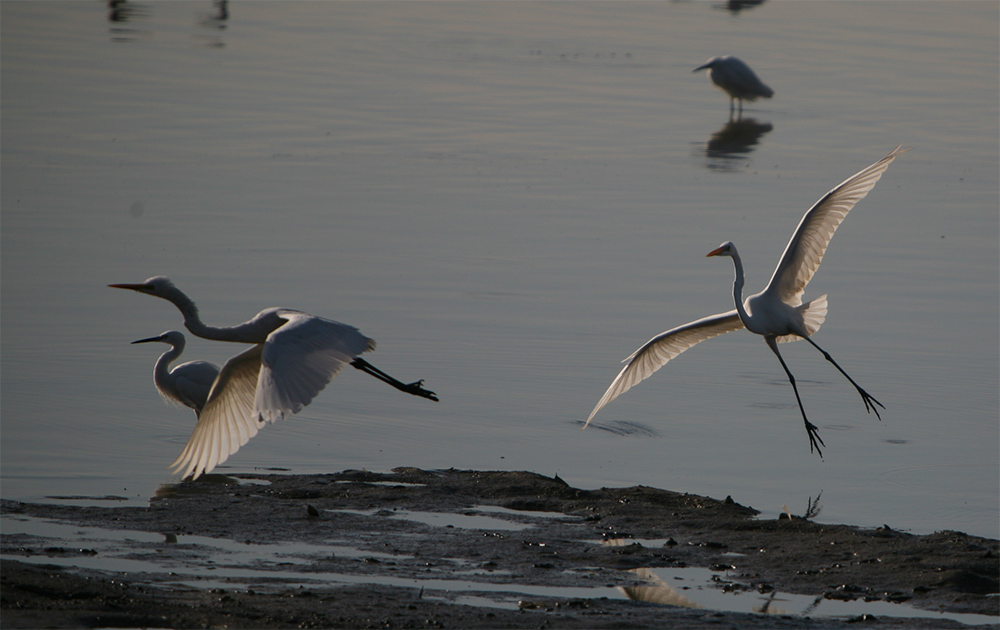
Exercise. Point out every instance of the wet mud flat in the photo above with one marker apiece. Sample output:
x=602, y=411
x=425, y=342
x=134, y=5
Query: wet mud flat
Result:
x=465, y=549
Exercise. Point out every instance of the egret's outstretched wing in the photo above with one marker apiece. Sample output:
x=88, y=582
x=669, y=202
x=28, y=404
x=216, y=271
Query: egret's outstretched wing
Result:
x=664, y=347
x=805, y=250
x=300, y=358
x=228, y=420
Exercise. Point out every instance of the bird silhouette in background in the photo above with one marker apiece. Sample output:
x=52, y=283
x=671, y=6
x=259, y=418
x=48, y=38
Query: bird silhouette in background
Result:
x=736, y=79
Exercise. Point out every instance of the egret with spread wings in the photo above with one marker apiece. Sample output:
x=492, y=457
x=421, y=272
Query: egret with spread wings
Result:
x=294, y=355
x=777, y=313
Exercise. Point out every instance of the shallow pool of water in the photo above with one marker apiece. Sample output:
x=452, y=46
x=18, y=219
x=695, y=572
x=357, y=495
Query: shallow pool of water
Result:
x=216, y=563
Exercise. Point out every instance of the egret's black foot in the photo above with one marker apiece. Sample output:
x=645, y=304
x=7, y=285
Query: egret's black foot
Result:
x=417, y=390
x=814, y=439
x=409, y=388
x=870, y=403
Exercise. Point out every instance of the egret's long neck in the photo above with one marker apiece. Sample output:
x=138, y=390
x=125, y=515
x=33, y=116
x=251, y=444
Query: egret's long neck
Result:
x=161, y=370
x=192, y=321
x=738, y=289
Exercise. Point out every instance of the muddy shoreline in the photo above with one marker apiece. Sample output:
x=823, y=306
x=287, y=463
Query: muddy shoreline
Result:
x=552, y=538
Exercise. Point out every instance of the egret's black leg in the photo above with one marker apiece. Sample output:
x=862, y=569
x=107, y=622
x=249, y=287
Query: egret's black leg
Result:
x=870, y=401
x=814, y=439
x=409, y=388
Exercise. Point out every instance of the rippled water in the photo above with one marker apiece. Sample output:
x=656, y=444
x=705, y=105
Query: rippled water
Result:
x=510, y=198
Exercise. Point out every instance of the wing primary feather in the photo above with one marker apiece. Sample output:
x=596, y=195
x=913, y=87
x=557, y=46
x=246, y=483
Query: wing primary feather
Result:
x=227, y=422
x=806, y=248
x=300, y=358
x=661, y=349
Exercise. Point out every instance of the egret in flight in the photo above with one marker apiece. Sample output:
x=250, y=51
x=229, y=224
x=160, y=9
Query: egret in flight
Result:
x=777, y=313
x=736, y=79
x=293, y=356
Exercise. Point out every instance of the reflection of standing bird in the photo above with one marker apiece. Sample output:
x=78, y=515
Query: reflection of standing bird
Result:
x=294, y=355
x=776, y=313
x=737, y=79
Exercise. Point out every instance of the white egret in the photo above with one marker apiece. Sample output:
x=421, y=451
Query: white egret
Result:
x=293, y=357
x=228, y=423
x=777, y=313
x=188, y=383
x=736, y=79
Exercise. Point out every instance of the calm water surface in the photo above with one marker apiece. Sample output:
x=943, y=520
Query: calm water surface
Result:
x=510, y=198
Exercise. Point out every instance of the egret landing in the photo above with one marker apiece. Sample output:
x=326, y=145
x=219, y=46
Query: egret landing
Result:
x=777, y=313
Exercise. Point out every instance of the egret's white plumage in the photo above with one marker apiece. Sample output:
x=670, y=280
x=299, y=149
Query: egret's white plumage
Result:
x=736, y=79
x=294, y=356
x=777, y=313
x=230, y=417
x=187, y=384
x=223, y=401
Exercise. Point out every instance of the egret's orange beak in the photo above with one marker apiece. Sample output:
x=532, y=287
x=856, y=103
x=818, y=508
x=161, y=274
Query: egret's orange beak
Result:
x=714, y=252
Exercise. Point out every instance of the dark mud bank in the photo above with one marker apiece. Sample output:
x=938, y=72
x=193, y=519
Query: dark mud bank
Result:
x=540, y=534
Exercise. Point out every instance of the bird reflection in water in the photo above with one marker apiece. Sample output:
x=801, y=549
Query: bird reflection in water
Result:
x=123, y=10
x=659, y=592
x=736, y=138
x=219, y=17
x=735, y=6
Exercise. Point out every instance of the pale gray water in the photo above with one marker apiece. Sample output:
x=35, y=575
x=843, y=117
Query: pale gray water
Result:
x=510, y=198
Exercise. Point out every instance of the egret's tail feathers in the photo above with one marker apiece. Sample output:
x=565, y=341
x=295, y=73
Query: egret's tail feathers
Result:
x=813, y=315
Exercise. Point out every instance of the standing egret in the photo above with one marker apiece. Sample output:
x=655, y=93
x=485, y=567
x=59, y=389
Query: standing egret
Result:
x=776, y=313
x=293, y=357
x=736, y=79
x=188, y=383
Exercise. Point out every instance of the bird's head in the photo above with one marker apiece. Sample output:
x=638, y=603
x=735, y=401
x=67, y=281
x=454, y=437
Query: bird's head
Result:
x=162, y=287
x=172, y=337
x=158, y=286
x=708, y=65
x=726, y=249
